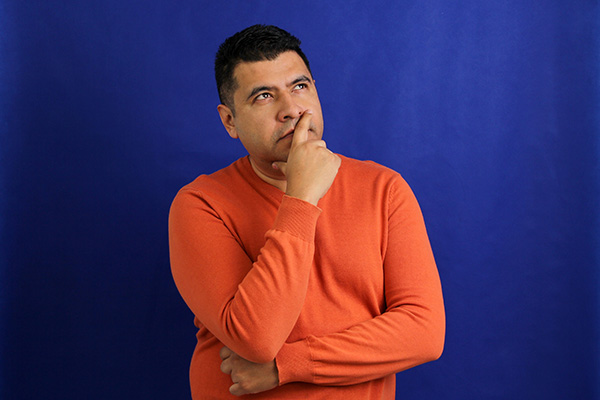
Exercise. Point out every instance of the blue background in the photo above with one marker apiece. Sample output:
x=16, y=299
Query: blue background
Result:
x=488, y=109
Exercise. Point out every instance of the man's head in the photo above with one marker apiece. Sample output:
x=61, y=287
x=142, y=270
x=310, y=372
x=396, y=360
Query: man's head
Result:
x=265, y=76
x=255, y=43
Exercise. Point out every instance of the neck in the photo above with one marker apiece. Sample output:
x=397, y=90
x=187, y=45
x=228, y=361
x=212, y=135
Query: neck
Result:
x=279, y=182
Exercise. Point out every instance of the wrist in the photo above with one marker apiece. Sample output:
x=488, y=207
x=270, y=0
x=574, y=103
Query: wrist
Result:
x=308, y=197
x=294, y=363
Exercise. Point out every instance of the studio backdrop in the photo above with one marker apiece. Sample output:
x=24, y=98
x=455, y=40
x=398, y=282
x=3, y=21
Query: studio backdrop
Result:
x=490, y=111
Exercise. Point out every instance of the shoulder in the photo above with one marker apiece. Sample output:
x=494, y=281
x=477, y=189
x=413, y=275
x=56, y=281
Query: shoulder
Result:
x=216, y=180
x=367, y=171
x=235, y=178
x=215, y=188
x=372, y=179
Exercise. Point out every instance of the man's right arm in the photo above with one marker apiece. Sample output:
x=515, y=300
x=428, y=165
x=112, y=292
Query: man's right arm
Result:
x=252, y=307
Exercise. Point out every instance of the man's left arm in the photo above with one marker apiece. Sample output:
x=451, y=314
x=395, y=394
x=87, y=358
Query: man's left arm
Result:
x=410, y=332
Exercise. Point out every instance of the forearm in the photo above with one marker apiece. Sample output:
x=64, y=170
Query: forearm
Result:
x=251, y=307
x=392, y=342
x=409, y=332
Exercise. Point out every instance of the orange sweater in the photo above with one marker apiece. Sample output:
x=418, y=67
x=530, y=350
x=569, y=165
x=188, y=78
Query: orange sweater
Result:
x=343, y=295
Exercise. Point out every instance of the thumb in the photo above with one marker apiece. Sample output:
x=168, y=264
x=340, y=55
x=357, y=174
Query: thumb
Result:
x=280, y=165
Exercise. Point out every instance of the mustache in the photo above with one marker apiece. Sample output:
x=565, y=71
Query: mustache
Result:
x=291, y=127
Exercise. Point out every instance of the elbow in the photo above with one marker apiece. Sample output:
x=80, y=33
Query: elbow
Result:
x=430, y=348
x=429, y=338
x=251, y=340
x=259, y=353
x=256, y=345
x=433, y=347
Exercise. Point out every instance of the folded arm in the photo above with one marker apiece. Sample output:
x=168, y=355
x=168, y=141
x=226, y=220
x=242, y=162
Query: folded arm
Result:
x=410, y=331
x=250, y=307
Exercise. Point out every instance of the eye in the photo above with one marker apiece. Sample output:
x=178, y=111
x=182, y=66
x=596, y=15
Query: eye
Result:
x=300, y=86
x=263, y=96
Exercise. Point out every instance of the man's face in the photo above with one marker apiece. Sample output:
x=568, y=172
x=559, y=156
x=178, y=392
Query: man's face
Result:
x=268, y=102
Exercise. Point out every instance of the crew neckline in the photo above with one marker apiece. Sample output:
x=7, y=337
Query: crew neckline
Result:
x=259, y=184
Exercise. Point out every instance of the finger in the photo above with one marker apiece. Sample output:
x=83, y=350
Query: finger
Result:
x=301, y=129
x=280, y=165
x=225, y=353
x=226, y=367
x=236, y=390
x=320, y=143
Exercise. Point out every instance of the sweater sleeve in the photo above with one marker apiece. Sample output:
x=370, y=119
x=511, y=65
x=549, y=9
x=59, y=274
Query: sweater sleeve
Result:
x=410, y=331
x=250, y=307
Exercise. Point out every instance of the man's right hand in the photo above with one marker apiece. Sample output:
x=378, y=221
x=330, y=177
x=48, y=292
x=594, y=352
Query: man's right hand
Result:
x=311, y=167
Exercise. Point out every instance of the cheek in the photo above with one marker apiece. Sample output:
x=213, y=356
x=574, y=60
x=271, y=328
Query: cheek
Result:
x=254, y=123
x=257, y=128
x=256, y=138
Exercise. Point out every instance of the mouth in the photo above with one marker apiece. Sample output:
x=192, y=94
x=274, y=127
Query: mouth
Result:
x=290, y=133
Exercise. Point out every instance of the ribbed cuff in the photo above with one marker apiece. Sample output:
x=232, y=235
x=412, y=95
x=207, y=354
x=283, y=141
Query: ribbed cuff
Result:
x=294, y=363
x=297, y=217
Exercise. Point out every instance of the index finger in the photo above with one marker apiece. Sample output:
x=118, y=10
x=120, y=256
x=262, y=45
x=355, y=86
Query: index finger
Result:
x=225, y=353
x=301, y=129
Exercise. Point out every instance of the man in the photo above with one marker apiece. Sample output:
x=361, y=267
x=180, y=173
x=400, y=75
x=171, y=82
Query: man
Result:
x=310, y=274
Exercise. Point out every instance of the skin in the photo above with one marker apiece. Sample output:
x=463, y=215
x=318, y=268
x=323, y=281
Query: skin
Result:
x=248, y=377
x=276, y=114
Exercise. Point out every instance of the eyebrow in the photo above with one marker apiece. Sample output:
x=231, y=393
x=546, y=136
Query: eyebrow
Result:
x=258, y=89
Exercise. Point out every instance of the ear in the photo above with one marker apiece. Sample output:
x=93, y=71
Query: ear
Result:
x=228, y=120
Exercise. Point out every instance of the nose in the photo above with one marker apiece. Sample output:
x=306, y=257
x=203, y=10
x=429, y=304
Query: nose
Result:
x=289, y=108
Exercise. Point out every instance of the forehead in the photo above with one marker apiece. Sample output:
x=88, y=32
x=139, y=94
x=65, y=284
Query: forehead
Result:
x=278, y=72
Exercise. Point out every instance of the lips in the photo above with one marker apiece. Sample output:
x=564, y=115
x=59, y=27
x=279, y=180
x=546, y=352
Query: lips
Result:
x=288, y=133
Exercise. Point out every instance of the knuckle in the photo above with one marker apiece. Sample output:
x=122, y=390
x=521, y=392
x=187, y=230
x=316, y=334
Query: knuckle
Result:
x=245, y=386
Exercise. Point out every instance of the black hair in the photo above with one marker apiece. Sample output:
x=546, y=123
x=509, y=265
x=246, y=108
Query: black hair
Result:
x=255, y=43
